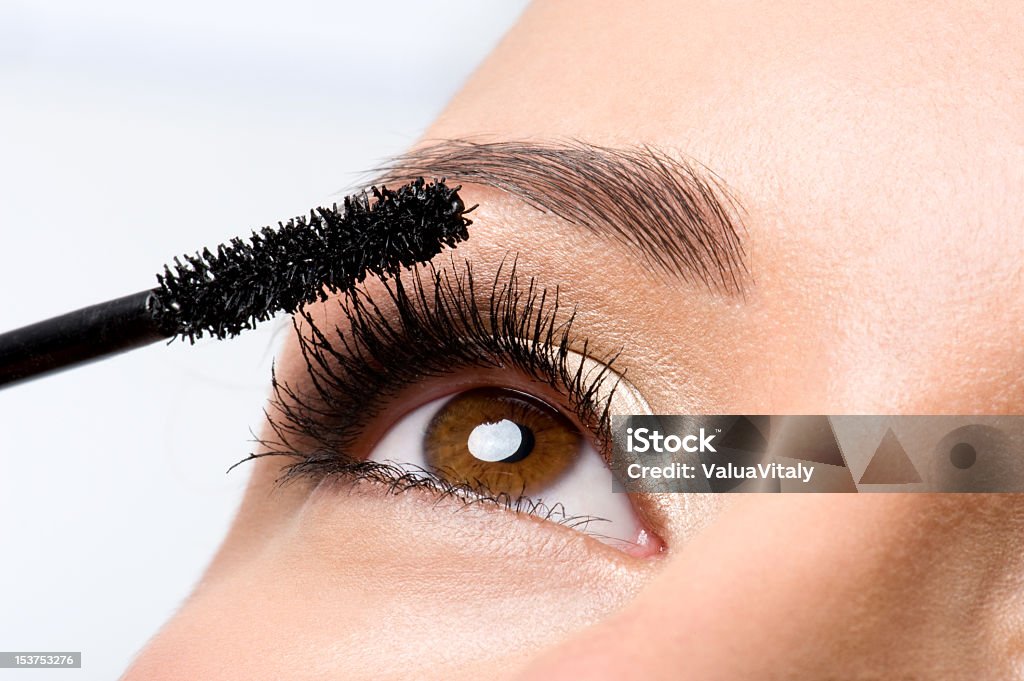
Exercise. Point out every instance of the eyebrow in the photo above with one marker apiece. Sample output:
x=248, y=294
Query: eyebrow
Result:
x=676, y=215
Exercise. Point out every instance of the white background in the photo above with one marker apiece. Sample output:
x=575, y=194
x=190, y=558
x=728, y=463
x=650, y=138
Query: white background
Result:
x=131, y=132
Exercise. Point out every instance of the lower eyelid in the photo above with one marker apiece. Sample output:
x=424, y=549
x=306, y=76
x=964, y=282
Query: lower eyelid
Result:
x=465, y=528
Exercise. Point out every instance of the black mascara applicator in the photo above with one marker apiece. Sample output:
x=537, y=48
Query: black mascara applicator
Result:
x=223, y=293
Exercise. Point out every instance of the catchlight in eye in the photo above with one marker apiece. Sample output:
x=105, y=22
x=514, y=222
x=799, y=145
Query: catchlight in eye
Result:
x=499, y=442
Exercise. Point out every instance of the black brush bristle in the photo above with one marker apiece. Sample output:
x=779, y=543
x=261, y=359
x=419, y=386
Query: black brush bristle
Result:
x=246, y=282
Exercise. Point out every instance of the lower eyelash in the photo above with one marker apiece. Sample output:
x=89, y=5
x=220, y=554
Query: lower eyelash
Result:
x=397, y=479
x=428, y=323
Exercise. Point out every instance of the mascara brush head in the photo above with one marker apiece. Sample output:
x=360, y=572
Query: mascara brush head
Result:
x=222, y=293
x=243, y=283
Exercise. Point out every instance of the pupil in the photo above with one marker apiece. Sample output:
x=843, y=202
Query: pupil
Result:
x=504, y=441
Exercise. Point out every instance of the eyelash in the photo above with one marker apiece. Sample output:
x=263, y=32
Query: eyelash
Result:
x=438, y=324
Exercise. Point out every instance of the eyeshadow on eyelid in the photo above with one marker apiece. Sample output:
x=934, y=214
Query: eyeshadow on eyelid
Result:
x=621, y=396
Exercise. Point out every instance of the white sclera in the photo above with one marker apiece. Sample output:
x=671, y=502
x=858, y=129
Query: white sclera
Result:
x=585, y=489
x=495, y=441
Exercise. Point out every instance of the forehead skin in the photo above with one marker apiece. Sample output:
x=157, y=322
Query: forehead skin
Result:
x=878, y=156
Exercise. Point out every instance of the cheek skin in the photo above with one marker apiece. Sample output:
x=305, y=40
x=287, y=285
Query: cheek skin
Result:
x=777, y=591
x=380, y=585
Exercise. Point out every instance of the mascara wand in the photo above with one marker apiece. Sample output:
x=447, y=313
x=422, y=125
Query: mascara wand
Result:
x=222, y=293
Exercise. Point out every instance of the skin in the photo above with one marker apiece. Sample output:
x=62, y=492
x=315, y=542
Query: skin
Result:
x=879, y=157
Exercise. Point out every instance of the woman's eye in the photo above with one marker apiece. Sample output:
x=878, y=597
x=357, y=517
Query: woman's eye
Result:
x=500, y=440
x=503, y=443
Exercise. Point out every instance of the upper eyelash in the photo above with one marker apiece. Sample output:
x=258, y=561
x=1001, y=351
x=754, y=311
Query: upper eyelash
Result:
x=438, y=321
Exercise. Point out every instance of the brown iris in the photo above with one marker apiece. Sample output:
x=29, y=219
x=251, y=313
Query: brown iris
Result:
x=501, y=441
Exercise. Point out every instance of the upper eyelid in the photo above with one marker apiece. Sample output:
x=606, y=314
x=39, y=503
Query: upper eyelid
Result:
x=325, y=409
